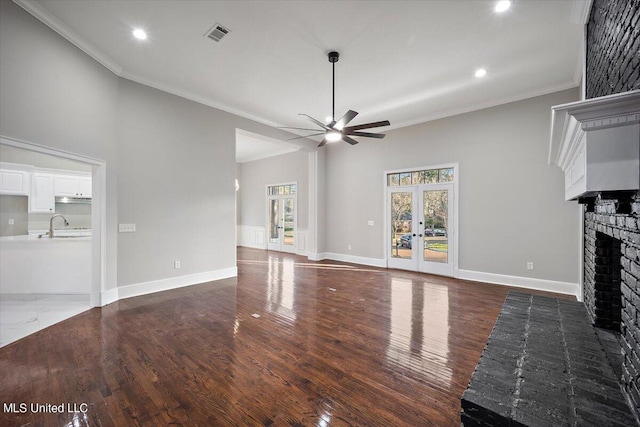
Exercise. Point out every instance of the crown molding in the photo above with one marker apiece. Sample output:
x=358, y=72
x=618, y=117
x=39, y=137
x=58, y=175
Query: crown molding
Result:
x=56, y=25
x=570, y=121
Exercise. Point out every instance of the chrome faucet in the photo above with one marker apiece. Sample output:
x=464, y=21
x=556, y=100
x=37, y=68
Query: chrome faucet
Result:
x=50, y=233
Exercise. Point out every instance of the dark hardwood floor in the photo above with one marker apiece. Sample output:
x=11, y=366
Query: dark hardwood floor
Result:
x=335, y=345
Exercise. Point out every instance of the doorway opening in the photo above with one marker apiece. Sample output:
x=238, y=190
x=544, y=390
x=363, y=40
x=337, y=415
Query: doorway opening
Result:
x=421, y=212
x=281, y=227
x=72, y=276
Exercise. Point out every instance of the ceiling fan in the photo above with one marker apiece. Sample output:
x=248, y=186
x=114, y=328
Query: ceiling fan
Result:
x=338, y=130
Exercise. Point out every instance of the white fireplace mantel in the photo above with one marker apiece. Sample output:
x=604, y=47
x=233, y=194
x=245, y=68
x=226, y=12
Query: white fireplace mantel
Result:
x=596, y=143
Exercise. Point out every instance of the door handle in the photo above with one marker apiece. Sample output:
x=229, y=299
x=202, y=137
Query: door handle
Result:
x=414, y=234
x=420, y=235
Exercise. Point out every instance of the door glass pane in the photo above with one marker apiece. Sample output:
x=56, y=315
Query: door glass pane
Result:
x=446, y=175
x=288, y=222
x=436, y=226
x=417, y=178
x=401, y=224
x=274, y=220
x=431, y=176
x=405, y=178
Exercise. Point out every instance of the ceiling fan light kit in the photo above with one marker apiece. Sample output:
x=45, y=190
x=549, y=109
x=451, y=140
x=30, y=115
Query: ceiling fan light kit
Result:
x=338, y=130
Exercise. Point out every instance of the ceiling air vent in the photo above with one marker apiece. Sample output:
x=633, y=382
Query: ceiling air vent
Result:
x=217, y=32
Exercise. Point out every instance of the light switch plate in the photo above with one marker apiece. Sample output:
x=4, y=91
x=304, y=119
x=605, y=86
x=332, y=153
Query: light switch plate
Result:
x=370, y=223
x=126, y=228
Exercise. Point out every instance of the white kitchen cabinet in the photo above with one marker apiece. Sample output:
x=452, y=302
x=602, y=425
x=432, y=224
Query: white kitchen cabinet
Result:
x=72, y=186
x=14, y=182
x=84, y=186
x=41, y=198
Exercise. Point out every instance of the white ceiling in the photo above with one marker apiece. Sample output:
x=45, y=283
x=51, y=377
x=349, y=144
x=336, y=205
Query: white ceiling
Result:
x=403, y=61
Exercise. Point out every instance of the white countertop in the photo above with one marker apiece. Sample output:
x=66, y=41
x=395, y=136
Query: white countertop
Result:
x=63, y=232
x=35, y=238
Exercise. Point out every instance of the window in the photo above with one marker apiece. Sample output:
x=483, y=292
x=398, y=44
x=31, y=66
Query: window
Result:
x=429, y=176
x=275, y=190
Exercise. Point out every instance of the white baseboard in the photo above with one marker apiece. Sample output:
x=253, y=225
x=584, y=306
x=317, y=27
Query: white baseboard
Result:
x=316, y=256
x=108, y=297
x=566, y=288
x=521, y=282
x=121, y=292
x=373, y=262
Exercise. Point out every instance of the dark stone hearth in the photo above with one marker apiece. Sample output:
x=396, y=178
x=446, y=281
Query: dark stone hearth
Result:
x=544, y=366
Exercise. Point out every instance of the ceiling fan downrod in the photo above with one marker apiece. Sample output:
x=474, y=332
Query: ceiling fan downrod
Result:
x=333, y=58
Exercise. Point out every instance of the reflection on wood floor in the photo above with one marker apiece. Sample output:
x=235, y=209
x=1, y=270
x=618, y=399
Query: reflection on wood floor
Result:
x=334, y=345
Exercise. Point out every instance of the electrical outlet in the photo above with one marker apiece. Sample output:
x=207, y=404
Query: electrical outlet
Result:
x=349, y=247
x=11, y=221
x=126, y=228
x=529, y=265
x=176, y=264
x=370, y=223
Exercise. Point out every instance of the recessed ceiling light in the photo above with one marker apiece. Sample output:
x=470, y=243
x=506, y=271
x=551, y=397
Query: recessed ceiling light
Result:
x=139, y=34
x=502, y=6
x=481, y=72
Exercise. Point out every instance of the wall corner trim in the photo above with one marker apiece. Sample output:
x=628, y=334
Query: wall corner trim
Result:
x=109, y=296
x=521, y=282
x=160, y=285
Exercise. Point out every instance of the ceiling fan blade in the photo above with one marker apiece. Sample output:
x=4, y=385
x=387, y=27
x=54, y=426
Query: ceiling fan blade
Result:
x=348, y=116
x=306, y=136
x=349, y=140
x=366, y=134
x=367, y=125
x=286, y=127
x=324, y=141
x=318, y=122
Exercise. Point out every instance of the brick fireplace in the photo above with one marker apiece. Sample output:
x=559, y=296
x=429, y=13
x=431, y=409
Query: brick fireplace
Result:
x=612, y=274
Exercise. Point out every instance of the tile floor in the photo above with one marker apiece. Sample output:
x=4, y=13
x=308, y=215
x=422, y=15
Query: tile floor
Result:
x=22, y=314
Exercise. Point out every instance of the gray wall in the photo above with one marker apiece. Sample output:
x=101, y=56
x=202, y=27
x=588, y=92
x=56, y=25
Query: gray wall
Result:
x=254, y=176
x=15, y=208
x=170, y=162
x=27, y=157
x=512, y=207
x=176, y=162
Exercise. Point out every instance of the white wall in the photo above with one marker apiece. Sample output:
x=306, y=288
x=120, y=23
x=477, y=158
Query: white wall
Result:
x=512, y=208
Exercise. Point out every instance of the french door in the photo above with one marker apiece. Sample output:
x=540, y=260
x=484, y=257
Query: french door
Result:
x=420, y=228
x=281, y=223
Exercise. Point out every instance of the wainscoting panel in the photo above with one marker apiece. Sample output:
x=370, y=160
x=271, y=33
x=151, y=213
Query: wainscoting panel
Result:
x=252, y=236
